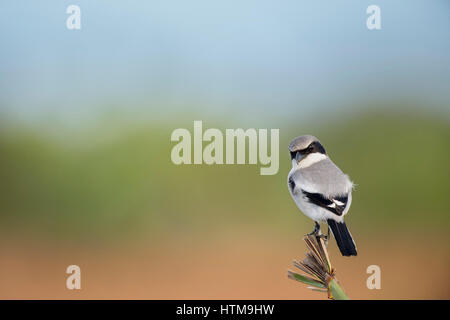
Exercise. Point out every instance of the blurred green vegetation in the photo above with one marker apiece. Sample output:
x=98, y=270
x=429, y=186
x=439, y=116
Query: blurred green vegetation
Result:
x=120, y=181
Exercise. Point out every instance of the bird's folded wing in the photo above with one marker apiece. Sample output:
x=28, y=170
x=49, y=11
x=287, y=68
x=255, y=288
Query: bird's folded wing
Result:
x=335, y=204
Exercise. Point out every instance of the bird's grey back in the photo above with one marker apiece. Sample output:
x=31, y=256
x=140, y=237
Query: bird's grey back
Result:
x=323, y=177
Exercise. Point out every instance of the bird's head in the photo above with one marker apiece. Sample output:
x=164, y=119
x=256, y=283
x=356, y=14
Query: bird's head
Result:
x=306, y=147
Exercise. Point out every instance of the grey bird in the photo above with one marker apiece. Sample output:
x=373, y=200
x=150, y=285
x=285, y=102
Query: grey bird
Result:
x=321, y=190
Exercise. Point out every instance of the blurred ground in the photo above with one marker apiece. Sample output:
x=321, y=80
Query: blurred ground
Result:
x=232, y=265
x=111, y=201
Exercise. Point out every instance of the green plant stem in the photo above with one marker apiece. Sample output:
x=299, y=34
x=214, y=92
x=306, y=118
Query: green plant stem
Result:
x=337, y=293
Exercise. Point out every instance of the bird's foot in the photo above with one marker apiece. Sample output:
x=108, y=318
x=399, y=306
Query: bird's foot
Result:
x=325, y=237
x=316, y=231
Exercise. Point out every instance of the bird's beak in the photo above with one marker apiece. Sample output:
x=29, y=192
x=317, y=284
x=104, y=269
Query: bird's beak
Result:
x=298, y=156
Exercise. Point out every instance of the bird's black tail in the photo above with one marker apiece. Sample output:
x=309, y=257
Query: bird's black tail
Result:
x=343, y=238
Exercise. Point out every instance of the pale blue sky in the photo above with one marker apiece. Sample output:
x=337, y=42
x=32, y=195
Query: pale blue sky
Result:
x=274, y=57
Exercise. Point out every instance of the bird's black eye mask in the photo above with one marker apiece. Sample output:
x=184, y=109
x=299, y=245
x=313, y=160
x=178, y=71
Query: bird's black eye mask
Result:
x=316, y=147
x=312, y=148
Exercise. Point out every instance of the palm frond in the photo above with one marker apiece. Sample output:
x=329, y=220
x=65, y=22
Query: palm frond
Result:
x=317, y=266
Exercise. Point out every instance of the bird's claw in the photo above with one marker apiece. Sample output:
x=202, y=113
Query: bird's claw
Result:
x=324, y=237
x=316, y=231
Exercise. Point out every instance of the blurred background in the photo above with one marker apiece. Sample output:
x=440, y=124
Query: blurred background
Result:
x=86, y=117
